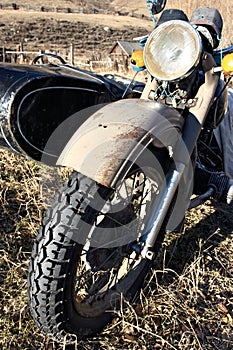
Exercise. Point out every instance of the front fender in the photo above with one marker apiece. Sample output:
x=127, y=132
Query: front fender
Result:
x=116, y=135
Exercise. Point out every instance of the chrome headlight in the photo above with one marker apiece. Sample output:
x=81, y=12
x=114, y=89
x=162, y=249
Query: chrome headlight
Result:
x=172, y=50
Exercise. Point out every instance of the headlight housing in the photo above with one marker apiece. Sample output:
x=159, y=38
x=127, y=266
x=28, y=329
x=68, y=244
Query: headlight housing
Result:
x=172, y=50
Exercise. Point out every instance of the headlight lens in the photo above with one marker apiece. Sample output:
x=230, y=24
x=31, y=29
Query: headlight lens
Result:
x=172, y=50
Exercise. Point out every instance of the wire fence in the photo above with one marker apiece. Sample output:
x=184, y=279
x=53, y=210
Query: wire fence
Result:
x=21, y=56
x=60, y=9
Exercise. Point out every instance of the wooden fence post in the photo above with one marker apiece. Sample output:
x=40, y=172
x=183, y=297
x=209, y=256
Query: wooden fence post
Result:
x=72, y=54
x=91, y=66
x=3, y=54
x=21, y=56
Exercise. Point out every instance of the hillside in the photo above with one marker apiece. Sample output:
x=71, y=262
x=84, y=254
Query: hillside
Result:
x=63, y=3
x=56, y=32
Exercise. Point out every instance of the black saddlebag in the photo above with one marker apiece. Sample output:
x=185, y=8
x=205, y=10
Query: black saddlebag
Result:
x=36, y=100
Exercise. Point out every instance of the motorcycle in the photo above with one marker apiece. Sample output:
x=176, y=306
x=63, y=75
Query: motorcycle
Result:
x=141, y=154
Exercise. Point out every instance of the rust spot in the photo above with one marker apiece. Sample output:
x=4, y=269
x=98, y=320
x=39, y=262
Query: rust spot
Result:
x=123, y=142
x=110, y=165
x=133, y=134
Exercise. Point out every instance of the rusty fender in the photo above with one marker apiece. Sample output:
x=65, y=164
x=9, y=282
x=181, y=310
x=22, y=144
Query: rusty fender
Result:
x=103, y=146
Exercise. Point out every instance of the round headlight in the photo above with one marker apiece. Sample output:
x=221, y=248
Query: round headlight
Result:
x=172, y=50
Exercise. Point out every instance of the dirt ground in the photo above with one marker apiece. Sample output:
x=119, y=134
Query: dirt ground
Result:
x=113, y=21
x=91, y=34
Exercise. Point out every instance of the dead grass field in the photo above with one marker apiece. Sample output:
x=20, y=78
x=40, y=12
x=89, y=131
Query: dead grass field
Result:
x=225, y=7
x=117, y=22
x=187, y=302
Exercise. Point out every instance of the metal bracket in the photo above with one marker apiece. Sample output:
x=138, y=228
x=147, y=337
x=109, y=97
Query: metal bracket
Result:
x=147, y=253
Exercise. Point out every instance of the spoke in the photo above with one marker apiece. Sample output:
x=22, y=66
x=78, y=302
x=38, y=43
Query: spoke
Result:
x=94, y=270
x=115, y=221
x=101, y=268
x=142, y=199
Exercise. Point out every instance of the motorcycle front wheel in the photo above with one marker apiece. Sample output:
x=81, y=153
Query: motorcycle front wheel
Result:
x=86, y=259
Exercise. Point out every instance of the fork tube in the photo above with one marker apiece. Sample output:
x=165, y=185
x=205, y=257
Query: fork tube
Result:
x=161, y=209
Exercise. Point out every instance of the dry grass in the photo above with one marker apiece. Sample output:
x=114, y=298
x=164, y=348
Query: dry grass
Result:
x=115, y=22
x=187, y=302
x=225, y=7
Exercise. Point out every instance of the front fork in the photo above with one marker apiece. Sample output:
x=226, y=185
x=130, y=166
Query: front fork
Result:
x=182, y=162
x=161, y=210
x=182, y=153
